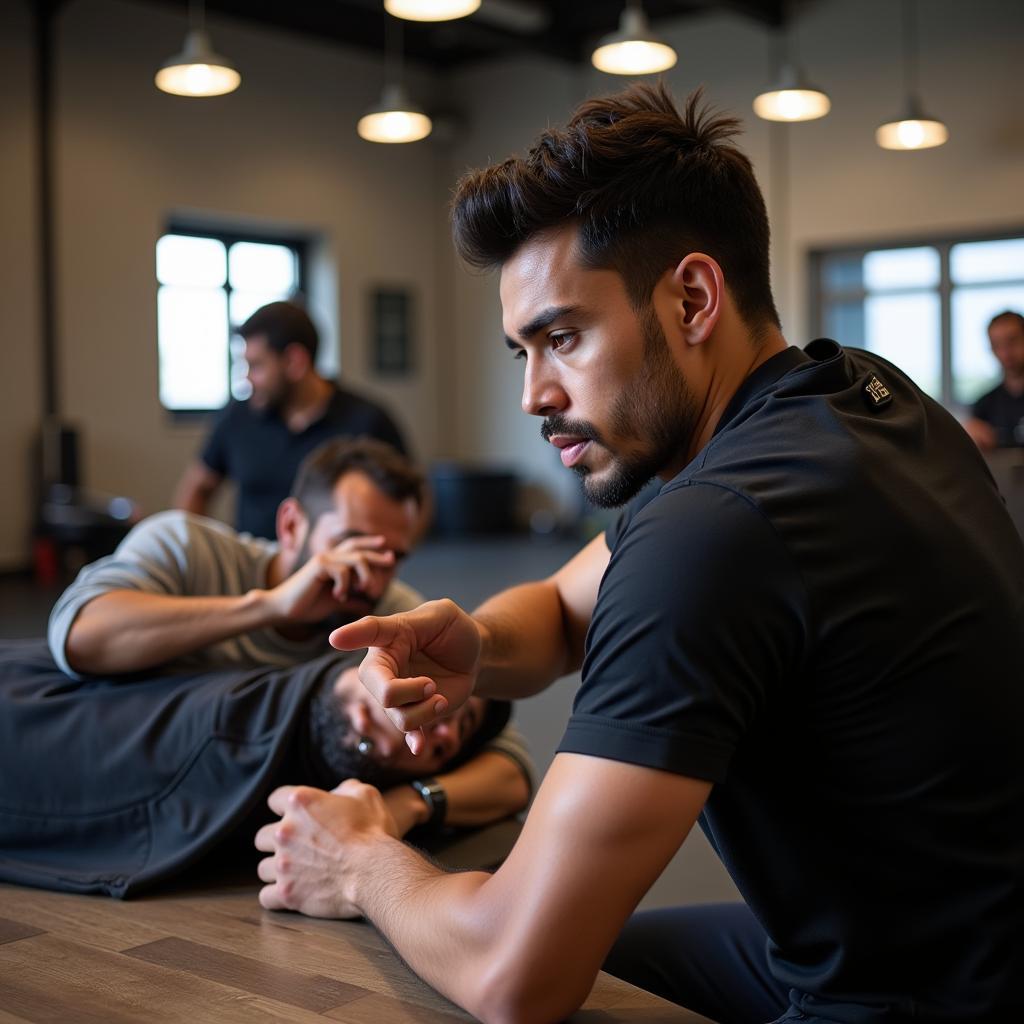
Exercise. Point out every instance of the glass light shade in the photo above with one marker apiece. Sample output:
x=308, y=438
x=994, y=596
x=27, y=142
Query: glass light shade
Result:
x=430, y=10
x=793, y=98
x=792, y=105
x=197, y=70
x=633, y=49
x=916, y=130
x=394, y=119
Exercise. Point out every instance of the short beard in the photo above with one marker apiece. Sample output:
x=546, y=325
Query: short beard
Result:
x=271, y=403
x=657, y=407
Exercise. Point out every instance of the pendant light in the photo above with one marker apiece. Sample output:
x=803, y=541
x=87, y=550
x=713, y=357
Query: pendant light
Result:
x=915, y=129
x=431, y=10
x=634, y=49
x=197, y=70
x=395, y=118
x=792, y=97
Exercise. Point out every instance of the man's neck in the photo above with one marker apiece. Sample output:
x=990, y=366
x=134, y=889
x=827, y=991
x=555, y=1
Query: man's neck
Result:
x=723, y=386
x=307, y=402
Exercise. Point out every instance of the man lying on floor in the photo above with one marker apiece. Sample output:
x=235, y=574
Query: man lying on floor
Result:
x=112, y=785
x=113, y=775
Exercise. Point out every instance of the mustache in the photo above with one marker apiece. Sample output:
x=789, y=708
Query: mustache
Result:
x=559, y=424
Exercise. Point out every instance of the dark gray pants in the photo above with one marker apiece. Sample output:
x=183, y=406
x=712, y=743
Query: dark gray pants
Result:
x=710, y=959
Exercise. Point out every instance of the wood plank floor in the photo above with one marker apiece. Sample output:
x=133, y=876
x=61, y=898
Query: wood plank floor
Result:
x=210, y=953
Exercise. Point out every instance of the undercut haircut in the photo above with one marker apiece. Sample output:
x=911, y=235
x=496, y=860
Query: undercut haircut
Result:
x=644, y=183
x=1007, y=314
x=322, y=468
x=283, y=324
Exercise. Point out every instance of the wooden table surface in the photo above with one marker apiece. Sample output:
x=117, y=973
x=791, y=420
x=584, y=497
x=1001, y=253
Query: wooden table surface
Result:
x=212, y=954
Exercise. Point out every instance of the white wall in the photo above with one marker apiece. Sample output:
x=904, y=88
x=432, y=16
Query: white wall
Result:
x=282, y=152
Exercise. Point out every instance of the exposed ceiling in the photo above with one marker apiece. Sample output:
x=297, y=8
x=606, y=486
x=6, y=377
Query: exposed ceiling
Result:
x=564, y=29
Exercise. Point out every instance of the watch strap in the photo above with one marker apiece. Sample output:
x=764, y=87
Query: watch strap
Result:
x=433, y=795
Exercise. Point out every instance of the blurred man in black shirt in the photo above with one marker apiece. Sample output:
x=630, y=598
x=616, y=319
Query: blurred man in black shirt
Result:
x=997, y=418
x=260, y=442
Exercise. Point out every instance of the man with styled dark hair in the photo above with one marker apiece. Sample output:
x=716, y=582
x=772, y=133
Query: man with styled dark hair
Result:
x=260, y=442
x=809, y=639
x=997, y=418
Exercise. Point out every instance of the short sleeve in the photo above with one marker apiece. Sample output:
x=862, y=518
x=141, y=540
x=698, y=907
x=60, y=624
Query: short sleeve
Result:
x=153, y=558
x=215, y=450
x=700, y=620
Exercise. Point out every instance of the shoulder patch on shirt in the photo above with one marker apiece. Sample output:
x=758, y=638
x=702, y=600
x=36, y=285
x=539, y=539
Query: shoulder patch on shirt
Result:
x=876, y=393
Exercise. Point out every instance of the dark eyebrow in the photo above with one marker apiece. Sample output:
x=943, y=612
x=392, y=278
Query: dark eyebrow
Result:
x=539, y=322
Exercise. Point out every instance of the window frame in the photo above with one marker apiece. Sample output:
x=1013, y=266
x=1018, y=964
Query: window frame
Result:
x=943, y=243
x=228, y=237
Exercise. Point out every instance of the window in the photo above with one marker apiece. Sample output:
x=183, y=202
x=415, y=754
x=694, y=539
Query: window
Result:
x=924, y=307
x=208, y=284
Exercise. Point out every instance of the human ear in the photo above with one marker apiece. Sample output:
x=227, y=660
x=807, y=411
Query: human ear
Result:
x=296, y=361
x=700, y=288
x=292, y=526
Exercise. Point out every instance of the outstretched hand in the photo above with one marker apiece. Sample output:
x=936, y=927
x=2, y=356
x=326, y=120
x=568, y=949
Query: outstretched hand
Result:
x=420, y=664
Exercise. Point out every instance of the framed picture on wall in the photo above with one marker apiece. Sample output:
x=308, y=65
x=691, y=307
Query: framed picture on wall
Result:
x=391, y=327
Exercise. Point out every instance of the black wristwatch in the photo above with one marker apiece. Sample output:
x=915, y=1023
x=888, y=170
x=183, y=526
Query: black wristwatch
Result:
x=434, y=796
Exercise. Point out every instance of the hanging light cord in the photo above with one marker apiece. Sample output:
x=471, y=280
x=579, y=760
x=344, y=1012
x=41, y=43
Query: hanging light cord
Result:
x=392, y=51
x=196, y=15
x=909, y=48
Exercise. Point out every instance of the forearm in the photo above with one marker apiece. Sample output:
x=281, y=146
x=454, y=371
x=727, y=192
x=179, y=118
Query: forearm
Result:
x=471, y=936
x=488, y=788
x=524, y=643
x=127, y=630
x=437, y=921
x=191, y=499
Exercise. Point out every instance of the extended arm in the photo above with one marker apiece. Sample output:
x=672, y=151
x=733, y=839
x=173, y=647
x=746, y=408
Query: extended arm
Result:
x=125, y=629
x=129, y=630
x=196, y=488
x=596, y=838
x=534, y=633
x=423, y=662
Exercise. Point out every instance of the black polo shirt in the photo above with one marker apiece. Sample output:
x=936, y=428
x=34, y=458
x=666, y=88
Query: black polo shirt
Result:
x=258, y=451
x=1004, y=413
x=823, y=614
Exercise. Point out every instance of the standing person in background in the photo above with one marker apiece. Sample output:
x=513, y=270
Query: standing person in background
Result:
x=997, y=418
x=260, y=442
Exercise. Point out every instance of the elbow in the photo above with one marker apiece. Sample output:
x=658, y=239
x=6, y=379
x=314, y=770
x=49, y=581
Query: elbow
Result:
x=78, y=651
x=527, y=994
x=84, y=655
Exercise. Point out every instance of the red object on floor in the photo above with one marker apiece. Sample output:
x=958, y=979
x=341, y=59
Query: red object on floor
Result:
x=45, y=561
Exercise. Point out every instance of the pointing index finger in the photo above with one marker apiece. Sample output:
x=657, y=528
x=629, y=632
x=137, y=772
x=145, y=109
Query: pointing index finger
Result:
x=369, y=631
